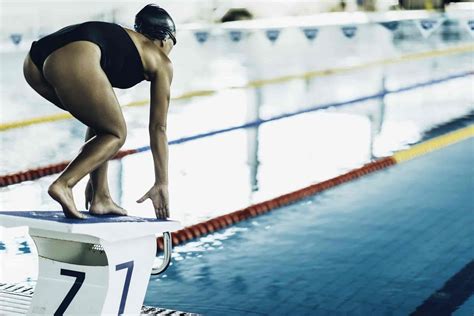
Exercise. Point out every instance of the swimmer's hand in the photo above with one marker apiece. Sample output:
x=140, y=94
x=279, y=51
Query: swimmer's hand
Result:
x=158, y=194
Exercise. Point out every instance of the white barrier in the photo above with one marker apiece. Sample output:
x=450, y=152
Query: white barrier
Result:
x=97, y=266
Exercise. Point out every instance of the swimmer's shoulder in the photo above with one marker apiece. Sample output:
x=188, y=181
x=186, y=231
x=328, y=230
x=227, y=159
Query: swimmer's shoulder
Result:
x=157, y=62
x=154, y=61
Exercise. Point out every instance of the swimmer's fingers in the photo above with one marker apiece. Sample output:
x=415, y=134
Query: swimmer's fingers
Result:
x=143, y=198
x=158, y=195
x=162, y=212
x=158, y=213
x=161, y=202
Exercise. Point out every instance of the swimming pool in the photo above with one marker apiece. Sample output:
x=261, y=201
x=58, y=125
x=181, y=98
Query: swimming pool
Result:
x=324, y=254
x=381, y=245
x=387, y=244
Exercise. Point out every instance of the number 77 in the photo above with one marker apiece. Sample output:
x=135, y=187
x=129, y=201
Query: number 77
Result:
x=81, y=276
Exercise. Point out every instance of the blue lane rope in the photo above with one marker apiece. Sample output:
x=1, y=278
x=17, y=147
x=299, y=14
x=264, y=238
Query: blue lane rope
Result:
x=312, y=109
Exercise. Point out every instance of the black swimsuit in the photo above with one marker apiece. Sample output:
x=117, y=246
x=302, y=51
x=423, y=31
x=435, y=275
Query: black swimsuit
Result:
x=119, y=59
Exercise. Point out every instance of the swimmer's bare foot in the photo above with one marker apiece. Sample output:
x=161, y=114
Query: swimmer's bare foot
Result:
x=62, y=194
x=106, y=206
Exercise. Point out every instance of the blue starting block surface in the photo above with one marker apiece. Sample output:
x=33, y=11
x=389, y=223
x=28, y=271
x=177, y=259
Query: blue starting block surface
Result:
x=107, y=227
x=58, y=216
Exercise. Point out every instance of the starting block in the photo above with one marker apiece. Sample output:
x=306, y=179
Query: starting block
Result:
x=97, y=266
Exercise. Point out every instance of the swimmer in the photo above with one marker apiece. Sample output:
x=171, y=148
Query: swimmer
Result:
x=75, y=68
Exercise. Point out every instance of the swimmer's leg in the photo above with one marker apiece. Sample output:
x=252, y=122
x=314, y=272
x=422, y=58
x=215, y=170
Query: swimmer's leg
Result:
x=97, y=189
x=83, y=88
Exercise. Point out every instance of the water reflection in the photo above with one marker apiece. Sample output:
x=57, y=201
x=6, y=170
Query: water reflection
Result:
x=253, y=115
x=376, y=119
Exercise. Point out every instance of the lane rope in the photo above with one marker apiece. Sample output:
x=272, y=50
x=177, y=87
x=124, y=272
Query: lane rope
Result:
x=201, y=229
x=36, y=173
x=434, y=144
x=259, y=83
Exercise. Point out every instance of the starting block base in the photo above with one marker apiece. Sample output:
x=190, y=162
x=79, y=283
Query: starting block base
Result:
x=100, y=265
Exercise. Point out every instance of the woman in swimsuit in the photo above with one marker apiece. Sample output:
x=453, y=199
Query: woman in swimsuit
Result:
x=75, y=68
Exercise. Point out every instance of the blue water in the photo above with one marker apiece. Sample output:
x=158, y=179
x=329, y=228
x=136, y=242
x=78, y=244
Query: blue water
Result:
x=380, y=245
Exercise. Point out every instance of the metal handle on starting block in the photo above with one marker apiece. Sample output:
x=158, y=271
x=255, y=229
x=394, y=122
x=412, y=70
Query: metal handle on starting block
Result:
x=167, y=248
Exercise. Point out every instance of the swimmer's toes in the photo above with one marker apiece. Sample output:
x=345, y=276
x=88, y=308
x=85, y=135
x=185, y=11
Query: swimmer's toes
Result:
x=117, y=210
x=122, y=213
x=73, y=215
x=109, y=209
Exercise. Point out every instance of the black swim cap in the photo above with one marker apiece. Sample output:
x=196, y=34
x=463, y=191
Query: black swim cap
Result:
x=154, y=22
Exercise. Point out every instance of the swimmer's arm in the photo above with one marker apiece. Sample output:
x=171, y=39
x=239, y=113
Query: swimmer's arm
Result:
x=159, y=103
x=160, y=97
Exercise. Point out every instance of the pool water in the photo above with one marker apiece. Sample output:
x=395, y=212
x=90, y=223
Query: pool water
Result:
x=381, y=245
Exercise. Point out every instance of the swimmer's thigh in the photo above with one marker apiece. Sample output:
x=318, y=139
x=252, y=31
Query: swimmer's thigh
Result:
x=84, y=89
